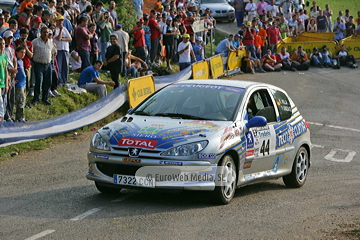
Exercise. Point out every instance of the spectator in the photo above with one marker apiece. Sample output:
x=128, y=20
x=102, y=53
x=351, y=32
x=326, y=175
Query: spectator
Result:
x=7, y=15
x=38, y=11
x=26, y=6
x=312, y=27
x=339, y=29
x=83, y=4
x=272, y=10
x=236, y=42
x=168, y=41
x=25, y=18
x=287, y=8
x=113, y=59
x=248, y=41
x=13, y=27
x=314, y=12
x=357, y=31
x=137, y=66
x=199, y=49
x=347, y=15
x=20, y=79
x=283, y=28
x=303, y=16
x=105, y=32
x=148, y=37
x=329, y=59
x=4, y=85
x=34, y=32
x=62, y=38
x=91, y=81
x=138, y=4
x=123, y=43
x=112, y=12
x=273, y=37
x=316, y=58
x=300, y=59
x=185, y=51
x=261, y=8
x=358, y=18
x=82, y=36
x=250, y=8
x=285, y=59
x=97, y=10
x=43, y=50
x=139, y=40
x=345, y=59
x=54, y=70
x=66, y=22
x=94, y=41
x=249, y=64
x=322, y=22
x=3, y=27
x=75, y=61
x=328, y=13
x=46, y=16
x=26, y=60
x=52, y=7
x=350, y=27
x=269, y=62
x=300, y=28
x=263, y=34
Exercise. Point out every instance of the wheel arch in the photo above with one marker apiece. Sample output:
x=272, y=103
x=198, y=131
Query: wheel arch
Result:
x=235, y=156
x=308, y=149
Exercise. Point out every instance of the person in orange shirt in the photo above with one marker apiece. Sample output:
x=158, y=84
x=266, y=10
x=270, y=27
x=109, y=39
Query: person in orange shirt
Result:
x=26, y=5
x=300, y=59
x=263, y=35
x=257, y=44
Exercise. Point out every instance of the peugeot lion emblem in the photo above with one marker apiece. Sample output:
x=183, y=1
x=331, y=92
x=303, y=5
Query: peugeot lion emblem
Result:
x=134, y=152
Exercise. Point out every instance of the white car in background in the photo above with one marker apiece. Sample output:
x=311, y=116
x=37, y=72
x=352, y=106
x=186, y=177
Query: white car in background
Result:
x=221, y=10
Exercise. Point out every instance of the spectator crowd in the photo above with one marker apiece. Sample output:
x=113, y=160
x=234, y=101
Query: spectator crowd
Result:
x=40, y=41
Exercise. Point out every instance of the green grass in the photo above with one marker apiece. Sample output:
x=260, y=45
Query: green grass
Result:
x=338, y=5
x=219, y=36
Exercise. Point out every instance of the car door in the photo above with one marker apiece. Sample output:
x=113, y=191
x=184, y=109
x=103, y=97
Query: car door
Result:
x=261, y=155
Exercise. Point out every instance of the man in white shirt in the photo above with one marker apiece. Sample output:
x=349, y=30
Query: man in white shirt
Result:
x=83, y=5
x=272, y=9
x=185, y=52
x=43, y=49
x=251, y=10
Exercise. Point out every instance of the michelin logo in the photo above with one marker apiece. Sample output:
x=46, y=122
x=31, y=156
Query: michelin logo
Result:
x=206, y=156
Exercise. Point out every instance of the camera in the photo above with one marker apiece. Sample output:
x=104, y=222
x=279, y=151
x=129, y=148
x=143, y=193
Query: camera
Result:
x=107, y=16
x=23, y=39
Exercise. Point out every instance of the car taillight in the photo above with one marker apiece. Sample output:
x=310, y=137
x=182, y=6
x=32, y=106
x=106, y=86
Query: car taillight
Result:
x=307, y=125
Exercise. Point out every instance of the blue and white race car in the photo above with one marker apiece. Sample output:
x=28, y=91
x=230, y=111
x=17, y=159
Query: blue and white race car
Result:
x=212, y=135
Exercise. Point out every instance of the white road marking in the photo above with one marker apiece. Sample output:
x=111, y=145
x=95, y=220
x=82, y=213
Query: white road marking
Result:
x=333, y=126
x=40, y=235
x=86, y=214
x=122, y=198
x=318, y=146
x=347, y=159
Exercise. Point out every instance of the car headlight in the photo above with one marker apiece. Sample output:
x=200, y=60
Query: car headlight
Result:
x=99, y=143
x=186, y=149
x=231, y=11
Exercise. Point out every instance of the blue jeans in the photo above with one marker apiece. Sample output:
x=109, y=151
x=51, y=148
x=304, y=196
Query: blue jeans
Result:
x=43, y=79
x=184, y=65
x=316, y=61
x=103, y=47
x=330, y=27
x=251, y=48
x=62, y=58
x=132, y=71
x=239, y=18
x=85, y=59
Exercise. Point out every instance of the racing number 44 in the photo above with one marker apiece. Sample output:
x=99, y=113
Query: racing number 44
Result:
x=265, y=147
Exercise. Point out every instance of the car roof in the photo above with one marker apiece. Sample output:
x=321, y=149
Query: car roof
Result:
x=222, y=82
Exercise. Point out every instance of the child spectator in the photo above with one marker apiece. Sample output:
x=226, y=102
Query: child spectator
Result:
x=94, y=43
x=20, y=86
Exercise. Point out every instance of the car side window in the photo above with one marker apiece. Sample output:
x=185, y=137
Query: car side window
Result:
x=260, y=104
x=283, y=104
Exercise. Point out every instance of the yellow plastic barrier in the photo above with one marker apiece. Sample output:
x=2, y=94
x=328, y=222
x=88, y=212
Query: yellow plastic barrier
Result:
x=139, y=89
x=307, y=46
x=216, y=66
x=234, y=59
x=200, y=70
x=302, y=38
x=326, y=35
x=352, y=45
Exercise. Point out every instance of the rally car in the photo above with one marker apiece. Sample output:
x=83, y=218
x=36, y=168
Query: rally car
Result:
x=211, y=135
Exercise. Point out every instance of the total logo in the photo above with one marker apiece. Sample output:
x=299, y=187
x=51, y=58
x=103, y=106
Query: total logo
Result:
x=137, y=142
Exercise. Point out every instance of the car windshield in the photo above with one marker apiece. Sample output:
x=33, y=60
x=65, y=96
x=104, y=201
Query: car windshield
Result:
x=192, y=101
x=213, y=1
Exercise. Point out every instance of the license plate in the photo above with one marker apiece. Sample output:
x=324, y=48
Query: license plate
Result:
x=134, y=181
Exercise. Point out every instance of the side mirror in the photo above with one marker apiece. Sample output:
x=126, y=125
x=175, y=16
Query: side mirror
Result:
x=128, y=111
x=257, y=121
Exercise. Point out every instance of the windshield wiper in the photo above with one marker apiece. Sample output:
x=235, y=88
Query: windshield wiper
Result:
x=179, y=115
x=142, y=113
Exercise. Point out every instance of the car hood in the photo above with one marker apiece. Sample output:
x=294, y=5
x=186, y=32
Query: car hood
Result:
x=159, y=132
x=216, y=6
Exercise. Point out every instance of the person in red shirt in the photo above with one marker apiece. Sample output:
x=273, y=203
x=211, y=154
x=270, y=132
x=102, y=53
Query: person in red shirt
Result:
x=269, y=62
x=22, y=41
x=139, y=40
x=155, y=27
x=285, y=59
x=248, y=40
x=273, y=37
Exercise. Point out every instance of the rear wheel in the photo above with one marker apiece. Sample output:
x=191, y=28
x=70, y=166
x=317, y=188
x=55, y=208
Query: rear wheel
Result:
x=227, y=184
x=105, y=189
x=300, y=169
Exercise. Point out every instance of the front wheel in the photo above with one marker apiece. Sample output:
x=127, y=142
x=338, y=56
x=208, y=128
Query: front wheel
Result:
x=300, y=169
x=106, y=190
x=225, y=180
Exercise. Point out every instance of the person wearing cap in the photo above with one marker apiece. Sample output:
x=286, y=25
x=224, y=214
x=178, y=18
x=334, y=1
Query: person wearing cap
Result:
x=61, y=39
x=249, y=37
x=139, y=40
x=251, y=10
x=199, y=49
x=9, y=98
x=168, y=41
x=34, y=32
x=66, y=23
x=155, y=28
x=43, y=50
x=46, y=15
x=236, y=42
x=27, y=45
x=185, y=52
x=113, y=59
x=123, y=42
x=105, y=32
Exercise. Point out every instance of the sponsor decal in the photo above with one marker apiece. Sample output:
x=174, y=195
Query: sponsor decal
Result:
x=247, y=164
x=185, y=132
x=253, y=176
x=152, y=129
x=134, y=160
x=237, y=132
x=276, y=164
x=249, y=153
x=101, y=156
x=171, y=163
x=226, y=136
x=205, y=124
x=249, y=140
x=134, y=152
x=137, y=142
x=286, y=160
x=206, y=156
x=291, y=133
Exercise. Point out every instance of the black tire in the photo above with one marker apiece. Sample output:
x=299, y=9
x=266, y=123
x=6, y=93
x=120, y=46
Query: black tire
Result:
x=107, y=190
x=300, y=168
x=225, y=192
